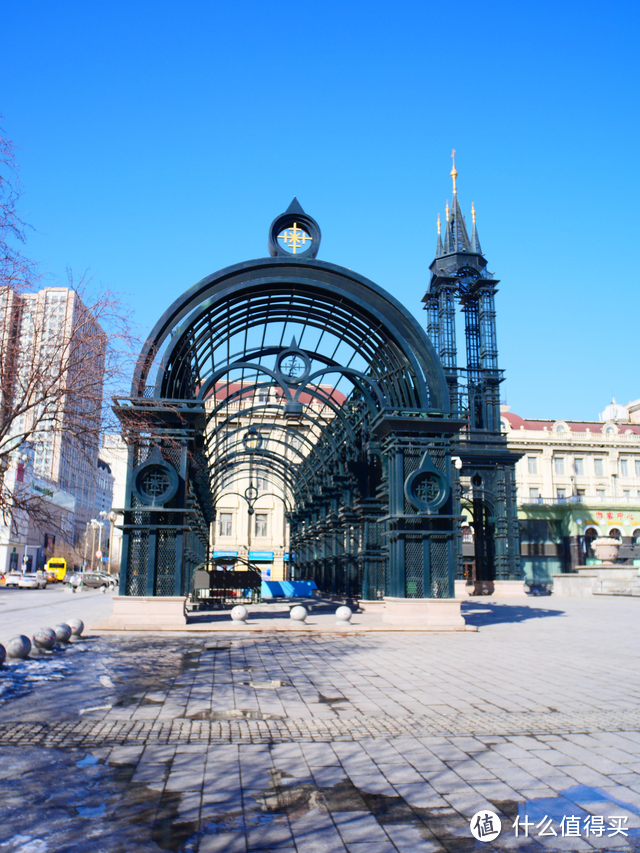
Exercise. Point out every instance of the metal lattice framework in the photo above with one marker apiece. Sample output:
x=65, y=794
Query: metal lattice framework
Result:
x=314, y=375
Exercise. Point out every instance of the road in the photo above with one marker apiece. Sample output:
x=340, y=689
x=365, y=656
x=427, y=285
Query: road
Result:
x=23, y=611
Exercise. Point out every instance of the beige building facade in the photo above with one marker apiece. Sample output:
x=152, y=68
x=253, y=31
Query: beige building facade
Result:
x=576, y=481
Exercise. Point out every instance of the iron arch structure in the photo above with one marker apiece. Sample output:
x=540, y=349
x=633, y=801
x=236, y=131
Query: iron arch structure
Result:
x=311, y=373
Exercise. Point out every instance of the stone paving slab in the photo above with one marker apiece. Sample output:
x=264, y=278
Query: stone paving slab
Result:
x=90, y=734
x=367, y=743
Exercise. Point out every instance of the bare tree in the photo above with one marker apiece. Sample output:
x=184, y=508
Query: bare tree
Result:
x=63, y=351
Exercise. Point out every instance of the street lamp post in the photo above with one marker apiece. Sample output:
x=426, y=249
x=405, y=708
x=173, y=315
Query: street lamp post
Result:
x=110, y=517
x=95, y=524
x=86, y=543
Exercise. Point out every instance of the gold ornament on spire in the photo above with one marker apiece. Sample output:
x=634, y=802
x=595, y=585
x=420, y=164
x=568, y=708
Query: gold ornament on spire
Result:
x=454, y=173
x=473, y=213
x=446, y=210
x=438, y=225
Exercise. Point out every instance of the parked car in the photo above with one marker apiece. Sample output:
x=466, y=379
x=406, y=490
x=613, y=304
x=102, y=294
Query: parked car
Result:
x=29, y=580
x=13, y=578
x=93, y=580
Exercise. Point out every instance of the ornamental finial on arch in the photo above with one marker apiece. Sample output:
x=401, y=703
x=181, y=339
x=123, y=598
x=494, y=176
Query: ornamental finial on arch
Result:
x=294, y=234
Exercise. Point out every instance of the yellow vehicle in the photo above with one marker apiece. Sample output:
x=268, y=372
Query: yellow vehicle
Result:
x=58, y=567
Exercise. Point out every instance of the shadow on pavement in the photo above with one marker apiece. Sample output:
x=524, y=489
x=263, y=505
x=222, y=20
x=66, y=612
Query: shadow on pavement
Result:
x=476, y=613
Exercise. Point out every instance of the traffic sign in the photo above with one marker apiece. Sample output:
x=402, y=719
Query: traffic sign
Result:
x=98, y=554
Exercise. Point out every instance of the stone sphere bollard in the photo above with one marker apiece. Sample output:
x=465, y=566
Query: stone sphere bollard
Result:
x=45, y=639
x=19, y=647
x=343, y=615
x=63, y=633
x=3, y=654
x=76, y=625
x=298, y=613
x=239, y=613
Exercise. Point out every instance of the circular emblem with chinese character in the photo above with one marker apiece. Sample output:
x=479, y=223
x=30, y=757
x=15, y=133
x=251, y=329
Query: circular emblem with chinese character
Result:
x=485, y=825
x=155, y=482
x=427, y=489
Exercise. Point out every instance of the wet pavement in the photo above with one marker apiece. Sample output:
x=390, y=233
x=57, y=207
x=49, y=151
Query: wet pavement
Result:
x=364, y=744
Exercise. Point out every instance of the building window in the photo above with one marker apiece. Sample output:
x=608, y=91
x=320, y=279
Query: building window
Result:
x=600, y=493
x=533, y=464
x=635, y=536
x=614, y=533
x=579, y=467
x=624, y=467
x=534, y=494
x=558, y=462
x=226, y=523
x=598, y=467
x=589, y=535
x=261, y=524
x=262, y=483
x=581, y=493
x=561, y=493
x=626, y=493
x=467, y=534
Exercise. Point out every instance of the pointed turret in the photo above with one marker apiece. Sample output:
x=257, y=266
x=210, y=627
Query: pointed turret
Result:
x=294, y=207
x=456, y=238
x=475, y=240
x=439, y=250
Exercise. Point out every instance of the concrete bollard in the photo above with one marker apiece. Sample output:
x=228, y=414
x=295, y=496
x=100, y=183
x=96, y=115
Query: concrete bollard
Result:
x=77, y=627
x=239, y=613
x=63, y=632
x=298, y=613
x=19, y=647
x=45, y=639
x=343, y=615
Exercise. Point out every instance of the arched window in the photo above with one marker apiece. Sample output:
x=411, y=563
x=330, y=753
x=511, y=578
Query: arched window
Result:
x=635, y=536
x=589, y=535
x=614, y=533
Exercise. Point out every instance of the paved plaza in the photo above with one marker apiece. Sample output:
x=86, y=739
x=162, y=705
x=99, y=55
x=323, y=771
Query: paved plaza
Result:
x=365, y=743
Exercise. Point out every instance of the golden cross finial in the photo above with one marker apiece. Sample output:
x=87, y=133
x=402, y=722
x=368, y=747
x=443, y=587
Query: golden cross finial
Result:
x=438, y=225
x=454, y=173
x=473, y=213
x=294, y=237
x=446, y=210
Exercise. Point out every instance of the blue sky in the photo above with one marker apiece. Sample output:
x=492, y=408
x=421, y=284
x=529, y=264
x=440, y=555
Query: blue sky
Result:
x=157, y=141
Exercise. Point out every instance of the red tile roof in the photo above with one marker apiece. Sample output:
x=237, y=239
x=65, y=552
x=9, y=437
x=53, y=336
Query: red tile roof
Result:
x=573, y=426
x=326, y=392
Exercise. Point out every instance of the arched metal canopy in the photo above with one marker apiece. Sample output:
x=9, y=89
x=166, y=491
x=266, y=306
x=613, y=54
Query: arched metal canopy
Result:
x=312, y=376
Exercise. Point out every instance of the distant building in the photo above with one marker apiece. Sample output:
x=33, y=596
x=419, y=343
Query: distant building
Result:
x=251, y=524
x=622, y=414
x=576, y=480
x=114, y=452
x=42, y=330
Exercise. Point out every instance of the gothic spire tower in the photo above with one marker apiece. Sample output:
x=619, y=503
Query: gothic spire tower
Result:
x=460, y=280
x=459, y=276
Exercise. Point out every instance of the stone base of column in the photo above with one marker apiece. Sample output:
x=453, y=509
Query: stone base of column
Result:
x=425, y=614
x=509, y=589
x=374, y=605
x=480, y=588
x=162, y=612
